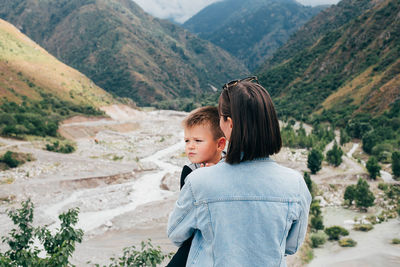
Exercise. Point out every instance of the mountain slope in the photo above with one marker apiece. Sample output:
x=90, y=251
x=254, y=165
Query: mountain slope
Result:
x=37, y=90
x=123, y=49
x=27, y=71
x=351, y=68
x=251, y=30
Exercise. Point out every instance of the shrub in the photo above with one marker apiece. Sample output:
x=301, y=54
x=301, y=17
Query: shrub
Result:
x=396, y=163
x=9, y=159
x=61, y=148
x=318, y=239
x=147, y=256
x=383, y=186
x=334, y=232
x=363, y=227
x=396, y=241
x=317, y=223
x=347, y=242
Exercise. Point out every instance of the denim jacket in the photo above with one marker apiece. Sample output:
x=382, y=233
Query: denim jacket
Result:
x=247, y=214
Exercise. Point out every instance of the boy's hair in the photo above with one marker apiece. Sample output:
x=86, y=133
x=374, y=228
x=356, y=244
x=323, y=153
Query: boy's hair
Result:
x=205, y=116
x=255, y=132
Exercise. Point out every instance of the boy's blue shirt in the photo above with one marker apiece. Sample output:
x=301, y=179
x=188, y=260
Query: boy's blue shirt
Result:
x=247, y=214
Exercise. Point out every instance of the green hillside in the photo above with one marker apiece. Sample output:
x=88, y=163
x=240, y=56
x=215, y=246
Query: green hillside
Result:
x=251, y=30
x=123, y=49
x=343, y=66
x=37, y=90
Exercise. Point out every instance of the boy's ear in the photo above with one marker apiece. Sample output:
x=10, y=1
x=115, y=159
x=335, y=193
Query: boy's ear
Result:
x=221, y=143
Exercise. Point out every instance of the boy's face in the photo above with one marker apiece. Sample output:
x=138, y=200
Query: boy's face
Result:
x=201, y=147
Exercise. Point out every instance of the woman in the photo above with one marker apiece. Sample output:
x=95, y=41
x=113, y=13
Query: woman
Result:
x=248, y=210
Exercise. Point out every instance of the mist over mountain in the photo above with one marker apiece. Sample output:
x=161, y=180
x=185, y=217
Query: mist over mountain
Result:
x=180, y=11
x=251, y=30
x=123, y=49
x=344, y=62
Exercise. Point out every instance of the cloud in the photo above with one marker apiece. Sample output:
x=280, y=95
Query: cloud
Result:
x=182, y=10
x=317, y=2
x=178, y=10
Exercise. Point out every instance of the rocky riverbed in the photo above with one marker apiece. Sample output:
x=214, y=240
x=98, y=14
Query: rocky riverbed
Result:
x=124, y=178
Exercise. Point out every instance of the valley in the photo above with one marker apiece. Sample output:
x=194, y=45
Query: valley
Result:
x=124, y=177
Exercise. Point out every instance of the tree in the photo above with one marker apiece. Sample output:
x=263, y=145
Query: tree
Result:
x=396, y=163
x=314, y=160
x=369, y=140
x=350, y=194
x=307, y=179
x=373, y=167
x=317, y=222
x=364, y=197
x=344, y=137
x=334, y=156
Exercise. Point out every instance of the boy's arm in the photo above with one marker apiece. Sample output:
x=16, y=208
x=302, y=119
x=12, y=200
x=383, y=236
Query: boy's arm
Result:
x=185, y=172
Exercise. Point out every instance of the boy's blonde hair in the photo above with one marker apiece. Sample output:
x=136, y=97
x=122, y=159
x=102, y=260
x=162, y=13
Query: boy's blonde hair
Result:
x=205, y=116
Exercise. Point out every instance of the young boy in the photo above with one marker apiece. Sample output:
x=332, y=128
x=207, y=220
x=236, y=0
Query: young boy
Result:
x=204, y=143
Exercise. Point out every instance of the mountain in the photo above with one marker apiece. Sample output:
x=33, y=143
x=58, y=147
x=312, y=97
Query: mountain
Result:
x=123, y=49
x=343, y=63
x=37, y=90
x=251, y=30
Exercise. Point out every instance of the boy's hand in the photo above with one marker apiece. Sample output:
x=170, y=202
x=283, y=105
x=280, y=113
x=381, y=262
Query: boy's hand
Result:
x=206, y=165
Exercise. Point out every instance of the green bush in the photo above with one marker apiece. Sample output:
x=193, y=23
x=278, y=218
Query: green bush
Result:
x=318, y=239
x=334, y=232
x=383, y=186
x=363, y=227
x=58, y=247
x=347, y=242
x=396, y=241
x=317, y=223
x=9, y=159
x=61, y=148
x=146, y=256
x=396, y=163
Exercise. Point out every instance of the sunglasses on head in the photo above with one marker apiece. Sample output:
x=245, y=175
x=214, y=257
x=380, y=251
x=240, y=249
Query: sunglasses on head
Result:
x=235, y=82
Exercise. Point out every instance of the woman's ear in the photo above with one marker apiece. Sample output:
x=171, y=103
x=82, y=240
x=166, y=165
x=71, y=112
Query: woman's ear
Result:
x=229, y=119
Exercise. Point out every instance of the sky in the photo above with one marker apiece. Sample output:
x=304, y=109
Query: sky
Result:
x=182, y=10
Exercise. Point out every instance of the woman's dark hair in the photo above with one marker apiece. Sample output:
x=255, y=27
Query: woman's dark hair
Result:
x=255, y=132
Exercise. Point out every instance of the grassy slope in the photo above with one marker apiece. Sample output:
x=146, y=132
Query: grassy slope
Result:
x=25, y=67
x=350, y=69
